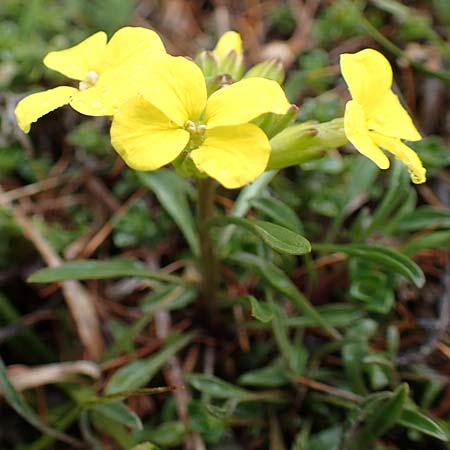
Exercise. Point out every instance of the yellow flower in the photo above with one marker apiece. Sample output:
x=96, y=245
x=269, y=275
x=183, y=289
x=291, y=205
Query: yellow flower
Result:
x=228, y=42
x=374, y=117
x=107, y=74
x=174, y=114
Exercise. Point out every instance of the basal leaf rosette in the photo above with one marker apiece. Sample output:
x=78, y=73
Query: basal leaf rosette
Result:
x=374, y=117
x=107, y=72
x=174, y=116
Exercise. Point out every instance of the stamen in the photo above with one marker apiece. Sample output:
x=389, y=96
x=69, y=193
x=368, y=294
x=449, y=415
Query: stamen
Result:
x=89, y=81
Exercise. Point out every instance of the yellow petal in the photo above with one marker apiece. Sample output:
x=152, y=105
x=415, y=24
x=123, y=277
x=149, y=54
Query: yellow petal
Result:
x=368, y=75
x=228, y=42
x=34, y=106
x=129, y=42
x=390, y=118
x=77, y=61
x=176, y=86
x=234, y=156
x=357, y=133
x=145, y=137
x=243, y=101
x=405, y=154
x=113, y=88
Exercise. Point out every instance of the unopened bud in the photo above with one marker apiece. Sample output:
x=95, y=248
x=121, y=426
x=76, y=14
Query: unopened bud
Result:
x=282, y=122
x=214, y=83
x=273, y=124
x=232, y=64
x=208, y=63
x=272, y=69
x=305, y=142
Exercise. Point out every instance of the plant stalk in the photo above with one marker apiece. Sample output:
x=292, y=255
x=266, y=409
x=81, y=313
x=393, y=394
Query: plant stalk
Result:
x=208, y=262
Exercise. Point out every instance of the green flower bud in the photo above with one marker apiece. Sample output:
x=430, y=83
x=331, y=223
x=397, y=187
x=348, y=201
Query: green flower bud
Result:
x=272, y=69
x=305, y=142
x=232, y=64
x=208, y=63
x=272, y=124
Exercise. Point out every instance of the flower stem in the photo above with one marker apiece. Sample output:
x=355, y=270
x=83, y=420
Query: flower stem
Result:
x=208, y=262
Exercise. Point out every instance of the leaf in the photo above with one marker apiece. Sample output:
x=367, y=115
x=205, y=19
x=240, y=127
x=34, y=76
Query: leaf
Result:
x=415, y=420
x=437, y=239
x=275, y=236
x=18, y=404
x=216, y=387
x=381, y=419
x=336, y=314
x=260, y=311
x=169, y=434
x=138, y=373
x=270, y=376
x=279, y=212
x=424, y=217
x=279, y=281
x=171, y=191
x=120, y=413
x=97, y=270
x=384, y=256
x=242, y=204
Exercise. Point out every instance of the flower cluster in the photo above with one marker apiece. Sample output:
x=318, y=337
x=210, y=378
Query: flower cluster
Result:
x=205, y=116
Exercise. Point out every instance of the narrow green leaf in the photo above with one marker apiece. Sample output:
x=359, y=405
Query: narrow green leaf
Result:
x=120, y=413
x=337, y=314
x=16, y=402
x=384, y=256
x=279, y=238
x=271, y=376
x=168, y=435
x=415, y=420
x=118, y=432
x=138, y=373
x=260, y=311
x=436, y=239
x=96, y=270
x=280, y=282
x=352, y=355
x=425, y=216
x=216, y=387
x=171, y=191
x=242, y=204
x=279, y=212
x=382, y=419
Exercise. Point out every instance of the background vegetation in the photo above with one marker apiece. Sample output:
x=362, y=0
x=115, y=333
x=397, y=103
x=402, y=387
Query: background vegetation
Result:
x=260, y=373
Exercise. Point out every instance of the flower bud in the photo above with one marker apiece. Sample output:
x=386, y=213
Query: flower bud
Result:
x=214, y=83
x=272, y=69
x=232, y=64
x=305, y=142
x=208, y=63
x=273, y=124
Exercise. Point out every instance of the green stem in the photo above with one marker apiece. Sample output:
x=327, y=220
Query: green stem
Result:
x=208, y=261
